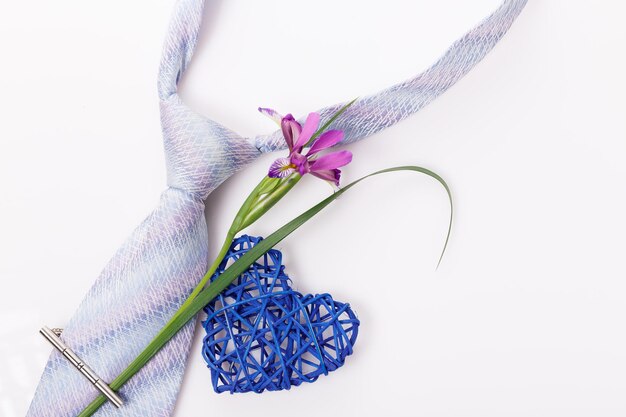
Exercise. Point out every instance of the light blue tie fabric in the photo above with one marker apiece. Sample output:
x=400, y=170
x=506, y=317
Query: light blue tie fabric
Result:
x=152, y=273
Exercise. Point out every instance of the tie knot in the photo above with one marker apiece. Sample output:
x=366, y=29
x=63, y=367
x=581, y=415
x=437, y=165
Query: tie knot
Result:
x=200, y=154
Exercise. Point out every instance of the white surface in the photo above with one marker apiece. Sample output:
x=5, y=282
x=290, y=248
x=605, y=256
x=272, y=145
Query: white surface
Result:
x=526, y=315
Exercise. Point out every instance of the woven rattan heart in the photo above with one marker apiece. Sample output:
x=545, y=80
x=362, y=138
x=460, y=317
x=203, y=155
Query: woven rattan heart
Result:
x=262, y=335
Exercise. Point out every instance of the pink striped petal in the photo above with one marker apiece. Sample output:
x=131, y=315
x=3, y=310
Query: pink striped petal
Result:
x=281, y=168
x=309, y=128
x=328, y=139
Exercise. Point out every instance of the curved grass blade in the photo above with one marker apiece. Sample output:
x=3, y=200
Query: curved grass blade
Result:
x=235, y=270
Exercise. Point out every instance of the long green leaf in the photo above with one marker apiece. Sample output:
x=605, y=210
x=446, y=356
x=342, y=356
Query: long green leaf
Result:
x=238, y=268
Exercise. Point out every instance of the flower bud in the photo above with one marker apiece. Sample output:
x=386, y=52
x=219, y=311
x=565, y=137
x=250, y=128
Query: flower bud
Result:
x=263, y=197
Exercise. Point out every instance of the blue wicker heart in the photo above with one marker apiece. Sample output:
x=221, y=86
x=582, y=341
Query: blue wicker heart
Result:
x=262, y=335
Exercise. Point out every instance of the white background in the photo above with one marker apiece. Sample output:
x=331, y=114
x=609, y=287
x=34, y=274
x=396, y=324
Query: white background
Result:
x=526, y=315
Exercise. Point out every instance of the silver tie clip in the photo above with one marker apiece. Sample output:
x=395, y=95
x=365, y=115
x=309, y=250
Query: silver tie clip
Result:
x=52, y=336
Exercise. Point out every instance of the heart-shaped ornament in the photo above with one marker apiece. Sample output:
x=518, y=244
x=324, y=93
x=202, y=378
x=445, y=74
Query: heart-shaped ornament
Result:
x=262, y=335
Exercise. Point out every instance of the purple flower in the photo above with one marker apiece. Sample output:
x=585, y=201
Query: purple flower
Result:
x=297, y=137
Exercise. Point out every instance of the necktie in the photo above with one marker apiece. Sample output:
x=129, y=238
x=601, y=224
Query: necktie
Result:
x=151, y=274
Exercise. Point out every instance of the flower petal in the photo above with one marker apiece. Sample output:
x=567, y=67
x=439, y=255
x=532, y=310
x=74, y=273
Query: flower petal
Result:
x=272, y=114
x=328, y=139
x=281, y=168
x=309, y=128
x=300, y=162
x=291, y=130
x=332, y=161
x=332, y=175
